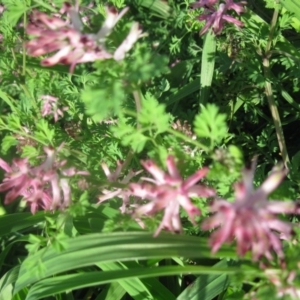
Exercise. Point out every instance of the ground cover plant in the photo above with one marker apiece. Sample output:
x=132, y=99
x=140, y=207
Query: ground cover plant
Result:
x=150, y=149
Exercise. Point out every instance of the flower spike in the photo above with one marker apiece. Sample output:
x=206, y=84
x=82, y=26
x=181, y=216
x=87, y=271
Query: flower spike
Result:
x=168, y=191
x=251, y=219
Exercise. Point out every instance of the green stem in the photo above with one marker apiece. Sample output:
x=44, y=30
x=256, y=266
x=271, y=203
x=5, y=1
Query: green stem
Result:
x=269, y=92
x=24, y=46
x=138, y=104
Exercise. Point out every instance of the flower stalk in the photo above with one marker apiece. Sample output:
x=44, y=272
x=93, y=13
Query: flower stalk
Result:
x=269, y=92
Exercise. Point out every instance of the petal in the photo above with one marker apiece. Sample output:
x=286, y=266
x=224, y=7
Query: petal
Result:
x=274, y=179
x=51, y=22
x=134, y=34
x=5, y=166
x=147, y=191
x=201, y=191
x=112, y=17
x=109, y=195
x=76, y=21
x=55, y=192
x=238, y=7
x=154, y=170
x=233, y=20
x=283, y=207
x=64, y=184
x=248, y=176
x=171, y=220
x=172, y=169
x=204, y=3
x=188, y=206
x=53, y=60
x=193, y=179
x=240, y=192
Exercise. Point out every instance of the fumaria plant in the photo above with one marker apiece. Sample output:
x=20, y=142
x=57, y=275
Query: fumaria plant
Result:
x=150, y=149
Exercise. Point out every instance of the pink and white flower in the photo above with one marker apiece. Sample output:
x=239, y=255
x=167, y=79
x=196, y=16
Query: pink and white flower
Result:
x=215, y=14
x=72, y=46
x=118, y=192
x=45, y=186
x=168, y=191
x=251, y=219
x=50, y=107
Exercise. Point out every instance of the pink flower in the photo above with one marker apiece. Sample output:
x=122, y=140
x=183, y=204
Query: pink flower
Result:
x=41, y=186
x=215, y=16
x=169, y=191
x=118, y=192
x=134, y=34
x=50, y=107
x=251, y=219
x=72, y=46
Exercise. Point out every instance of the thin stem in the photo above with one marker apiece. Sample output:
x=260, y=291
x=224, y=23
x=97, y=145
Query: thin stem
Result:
x=138, y=104
x=269, y=91
x=127, y=160
x=24, y=47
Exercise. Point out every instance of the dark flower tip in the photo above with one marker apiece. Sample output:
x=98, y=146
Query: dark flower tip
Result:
x=67, y=4
x=113, y=10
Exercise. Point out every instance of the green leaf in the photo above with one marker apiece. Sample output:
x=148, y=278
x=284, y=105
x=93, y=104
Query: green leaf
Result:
x=134, y=287
x=208, y=286
x=161, y=8
x=12, y=122
x=7, y=282
x=137, y=288
x=182, y=93
x=120, y=246
x=19, y=221
x=29, y=151
x=8, y=100
x=15, y=9
x=129, y=135
x=43, y=131
x=211, y=124
x=153, y=114
x=292, y=6
x=114, y=291
x=62, y=283
x=7, y=142
x=102, y=103
x=207, y=66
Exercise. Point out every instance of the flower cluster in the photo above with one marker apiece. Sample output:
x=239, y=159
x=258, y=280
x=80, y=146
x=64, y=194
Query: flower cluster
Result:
x=53, y=34
x=119, y=192
x=50, y=107
x=251, y=219
x=45, y=186
x=169, y=191
x=215, y=14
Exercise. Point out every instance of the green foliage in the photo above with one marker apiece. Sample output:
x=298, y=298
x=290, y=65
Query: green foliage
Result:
x=211, y=125
x=203, y=100
x=158, y=122
x=109, y=99
x=15, y=10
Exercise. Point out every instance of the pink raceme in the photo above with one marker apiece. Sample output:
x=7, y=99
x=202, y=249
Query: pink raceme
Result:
x=67, y=41
x=45, y=186
x=252, y=219
x=168, y=191
x=118, y=192
x=50, y=107
x=216, y=14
